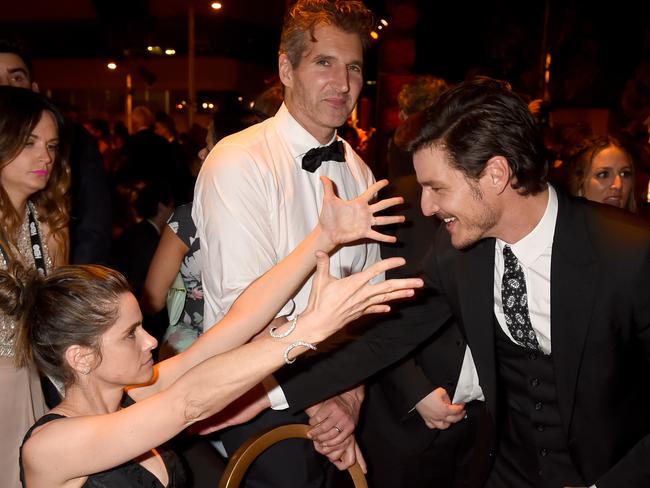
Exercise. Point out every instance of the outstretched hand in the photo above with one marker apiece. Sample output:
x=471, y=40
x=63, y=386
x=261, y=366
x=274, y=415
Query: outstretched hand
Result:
x=337, y=302
x=350, y=220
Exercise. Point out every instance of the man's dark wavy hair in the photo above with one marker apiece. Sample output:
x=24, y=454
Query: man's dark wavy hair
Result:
x=12, y=46
x=479, y=119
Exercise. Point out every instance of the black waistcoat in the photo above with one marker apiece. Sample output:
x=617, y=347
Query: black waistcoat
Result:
x=533, y=446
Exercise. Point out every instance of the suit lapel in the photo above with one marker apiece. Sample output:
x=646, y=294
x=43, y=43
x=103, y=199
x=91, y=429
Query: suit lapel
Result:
x=574, y=278
x=475, y=275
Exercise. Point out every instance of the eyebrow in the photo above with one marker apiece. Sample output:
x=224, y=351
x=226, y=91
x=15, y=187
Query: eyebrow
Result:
x=36, y=136
x=627, y=166
x=329, y=57
x=18, y=70
x=133, y=327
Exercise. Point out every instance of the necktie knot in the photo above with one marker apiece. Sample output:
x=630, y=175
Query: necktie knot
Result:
x=312, y=160
x=509, y=258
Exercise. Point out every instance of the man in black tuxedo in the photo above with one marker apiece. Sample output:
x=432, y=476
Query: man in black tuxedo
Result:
x=552, y=294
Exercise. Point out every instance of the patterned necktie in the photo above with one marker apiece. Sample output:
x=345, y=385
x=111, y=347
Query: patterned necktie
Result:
x=515, y=302
x=312, y=160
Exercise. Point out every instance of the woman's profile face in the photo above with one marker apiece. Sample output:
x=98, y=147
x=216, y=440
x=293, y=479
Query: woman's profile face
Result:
x=126, y=348
x=30, y=171
x=610, y=178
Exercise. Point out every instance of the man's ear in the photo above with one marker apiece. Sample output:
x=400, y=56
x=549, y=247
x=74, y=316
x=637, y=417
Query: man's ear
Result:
x=34, y=86
x=80, y=358
x=285, y=70
x=497, y=173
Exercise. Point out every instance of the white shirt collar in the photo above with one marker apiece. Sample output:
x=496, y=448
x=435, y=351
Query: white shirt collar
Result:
x=297, y=137
x=531, y=247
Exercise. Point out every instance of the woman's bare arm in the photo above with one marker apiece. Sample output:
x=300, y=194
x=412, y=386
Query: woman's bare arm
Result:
x=90, y=444
x=163, y=269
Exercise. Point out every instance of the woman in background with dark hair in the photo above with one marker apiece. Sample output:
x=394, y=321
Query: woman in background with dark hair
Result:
x=602, y=170
x=34, y=182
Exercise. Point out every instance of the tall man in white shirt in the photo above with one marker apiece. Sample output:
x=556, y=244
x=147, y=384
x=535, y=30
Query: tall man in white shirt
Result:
x=551, y=292
x=259, y=194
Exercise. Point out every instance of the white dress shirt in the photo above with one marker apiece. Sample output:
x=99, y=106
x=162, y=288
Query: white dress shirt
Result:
x=253, y=204
x=534, y=254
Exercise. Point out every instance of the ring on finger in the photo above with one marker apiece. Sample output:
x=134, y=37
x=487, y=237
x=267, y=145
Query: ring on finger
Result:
x=373, y=222
x=337, y=429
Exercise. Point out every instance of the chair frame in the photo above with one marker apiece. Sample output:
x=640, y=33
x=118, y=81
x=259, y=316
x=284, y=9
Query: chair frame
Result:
x=248, y=452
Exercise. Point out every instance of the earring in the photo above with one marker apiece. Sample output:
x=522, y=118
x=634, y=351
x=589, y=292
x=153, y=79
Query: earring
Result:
x=86, y=371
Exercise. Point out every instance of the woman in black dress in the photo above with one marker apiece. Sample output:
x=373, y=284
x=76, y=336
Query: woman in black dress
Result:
x=84, y=327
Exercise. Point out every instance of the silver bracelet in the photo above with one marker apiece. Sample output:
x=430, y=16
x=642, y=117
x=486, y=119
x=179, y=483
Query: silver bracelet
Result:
x=281, y=335
x=292, y=346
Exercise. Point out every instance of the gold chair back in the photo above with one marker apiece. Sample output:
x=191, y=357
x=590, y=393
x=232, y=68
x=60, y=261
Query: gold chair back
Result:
x=248, y=452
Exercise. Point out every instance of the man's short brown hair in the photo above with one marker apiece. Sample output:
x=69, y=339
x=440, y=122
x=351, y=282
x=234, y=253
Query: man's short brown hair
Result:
x=303, y=17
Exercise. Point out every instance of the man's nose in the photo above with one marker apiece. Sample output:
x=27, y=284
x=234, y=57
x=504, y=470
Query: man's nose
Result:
x=428, y=205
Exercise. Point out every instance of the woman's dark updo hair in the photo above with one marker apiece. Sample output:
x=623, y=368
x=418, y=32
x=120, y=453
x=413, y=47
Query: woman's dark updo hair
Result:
x=74, y=305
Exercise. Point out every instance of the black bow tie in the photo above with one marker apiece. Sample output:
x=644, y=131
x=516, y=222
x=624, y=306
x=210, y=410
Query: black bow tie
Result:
x=312, y=160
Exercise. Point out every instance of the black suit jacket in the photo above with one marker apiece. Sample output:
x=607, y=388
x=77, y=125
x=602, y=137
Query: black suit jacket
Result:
x=600, y=334
x=393, y=393
x=90, y=219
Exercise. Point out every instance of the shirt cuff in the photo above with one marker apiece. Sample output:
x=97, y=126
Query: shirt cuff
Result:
x=275, y=394
x=468, y=387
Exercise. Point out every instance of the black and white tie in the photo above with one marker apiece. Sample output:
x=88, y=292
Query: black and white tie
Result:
x=515, y=301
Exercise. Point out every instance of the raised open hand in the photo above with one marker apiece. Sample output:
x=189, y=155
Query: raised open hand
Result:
x=346, y=221
x=336, y=302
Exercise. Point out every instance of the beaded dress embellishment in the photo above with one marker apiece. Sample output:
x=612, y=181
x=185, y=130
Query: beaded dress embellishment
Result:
x=24, y=245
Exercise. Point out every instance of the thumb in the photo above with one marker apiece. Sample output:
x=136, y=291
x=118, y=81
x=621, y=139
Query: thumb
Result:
x=321, y=276
x=444, y=396
x=328, y=187
x=455, y=408
x=322, y=265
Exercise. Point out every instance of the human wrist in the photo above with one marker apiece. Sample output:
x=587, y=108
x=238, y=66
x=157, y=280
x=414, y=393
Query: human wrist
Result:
x=295, y=341
x=323, y=239
x=308, y=328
